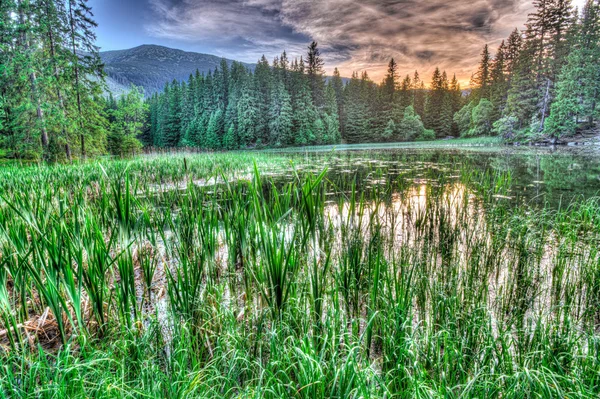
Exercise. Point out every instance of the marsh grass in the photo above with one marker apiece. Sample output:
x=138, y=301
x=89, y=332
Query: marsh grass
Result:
x=140, y=279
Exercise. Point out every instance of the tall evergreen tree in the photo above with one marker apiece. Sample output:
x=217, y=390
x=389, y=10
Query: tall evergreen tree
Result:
x=438, y=109
x=248, y=114
x=498, y=83
x=315, y=74
x=578, y=88
x=481, y=81
x=172, y=128
x=281, y=116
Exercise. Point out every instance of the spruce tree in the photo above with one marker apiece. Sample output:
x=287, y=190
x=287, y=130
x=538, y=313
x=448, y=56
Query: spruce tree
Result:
x=498, y=86
x=481, y=81
x=172, y=128
x=419, y=95
x=331, y=117
x=355, y=125
x=280, y=116
x=338, y=86
x=86, y=67
x=438, y=109
x=263, y=83
x=248, y=112
x=315, y=74
x=578, y=88
x=305, y=116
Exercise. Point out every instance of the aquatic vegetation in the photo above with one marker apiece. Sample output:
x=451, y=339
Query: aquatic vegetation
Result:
x=296, y=275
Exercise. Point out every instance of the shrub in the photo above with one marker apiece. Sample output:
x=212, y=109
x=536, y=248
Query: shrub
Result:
x=463, y=118
x=426, y=135
x=506, y=127
x=390, y=131
x=411, y=127
x=481, y=118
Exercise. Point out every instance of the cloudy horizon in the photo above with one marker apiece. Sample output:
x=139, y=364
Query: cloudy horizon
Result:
x=353, y=36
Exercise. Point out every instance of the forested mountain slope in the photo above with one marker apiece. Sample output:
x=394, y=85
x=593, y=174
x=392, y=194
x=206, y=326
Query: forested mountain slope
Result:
x=151, y=66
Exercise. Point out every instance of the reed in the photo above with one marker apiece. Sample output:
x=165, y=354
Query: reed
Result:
x=265, y=275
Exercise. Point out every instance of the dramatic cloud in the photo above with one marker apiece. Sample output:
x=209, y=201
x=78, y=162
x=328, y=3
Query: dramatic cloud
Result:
x=354, y=35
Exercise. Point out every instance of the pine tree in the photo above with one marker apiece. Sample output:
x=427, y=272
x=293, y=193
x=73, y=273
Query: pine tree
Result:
x=578, y=88
x=387, y=96
x=406, y=94
x=248, y=114
x=419, y=95
x=230, y=139
x=213, y=130
x=315, y=74
x=513, y=48
x=305, y=116
x=498, y=86
x=262, y=91
x=281, y=116
x=481, y=81
x=523, y=94
x=456, y=101
x=338, y=86
x=331, y=117
x=356, y=112
x=172, y=128
x=438, y=109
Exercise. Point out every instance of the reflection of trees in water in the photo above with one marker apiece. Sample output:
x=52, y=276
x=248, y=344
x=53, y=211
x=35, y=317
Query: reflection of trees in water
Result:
x=554, y=178
x=537, y=178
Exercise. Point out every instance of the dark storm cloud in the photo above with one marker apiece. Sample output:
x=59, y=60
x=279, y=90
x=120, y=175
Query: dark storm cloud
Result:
x=354, y=35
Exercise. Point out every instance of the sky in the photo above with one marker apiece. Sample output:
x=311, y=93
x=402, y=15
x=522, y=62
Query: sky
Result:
x=352, y=35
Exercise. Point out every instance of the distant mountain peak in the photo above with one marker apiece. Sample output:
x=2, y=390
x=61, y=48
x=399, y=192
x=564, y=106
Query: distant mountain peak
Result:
x=150, y=66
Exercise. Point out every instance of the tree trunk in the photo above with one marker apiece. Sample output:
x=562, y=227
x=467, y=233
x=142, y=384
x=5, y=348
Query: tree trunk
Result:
x=545, y=107
x=593, y=108
x=56, y=74
x=76, y=64
x=39, y=110
x=33, y=82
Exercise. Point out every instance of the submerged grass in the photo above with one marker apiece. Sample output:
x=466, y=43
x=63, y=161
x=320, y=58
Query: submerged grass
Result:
x=247, y=275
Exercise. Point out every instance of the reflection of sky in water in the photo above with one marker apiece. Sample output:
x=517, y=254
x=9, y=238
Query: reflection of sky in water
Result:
x=549, y=179
x=409, y=218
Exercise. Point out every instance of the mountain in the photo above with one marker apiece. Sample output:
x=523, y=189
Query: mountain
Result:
x=151, y=66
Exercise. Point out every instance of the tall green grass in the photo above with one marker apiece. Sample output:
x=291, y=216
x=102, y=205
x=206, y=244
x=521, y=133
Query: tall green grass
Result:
x=247, y=275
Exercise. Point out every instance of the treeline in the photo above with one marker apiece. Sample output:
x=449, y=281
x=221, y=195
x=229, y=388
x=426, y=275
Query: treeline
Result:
x=543, y=82
x=52, y=102
x=288, y=103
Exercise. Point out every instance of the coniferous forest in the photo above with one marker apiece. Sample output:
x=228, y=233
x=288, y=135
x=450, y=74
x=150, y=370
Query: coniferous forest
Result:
x=541, y=83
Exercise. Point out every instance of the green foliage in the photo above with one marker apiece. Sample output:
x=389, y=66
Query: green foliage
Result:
x=578, y=87
x=426, y=135
x=411, y=127
x=281, y=116
x=229, y=140
x=481, y=119
x=462, y=118
x=475, y=120
x=390, y=131
x=50, y=80
x=213, y=131
x=142, y=282
x=438, y=108
x=506, y=127
x=129, y=116
x=482, y=80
